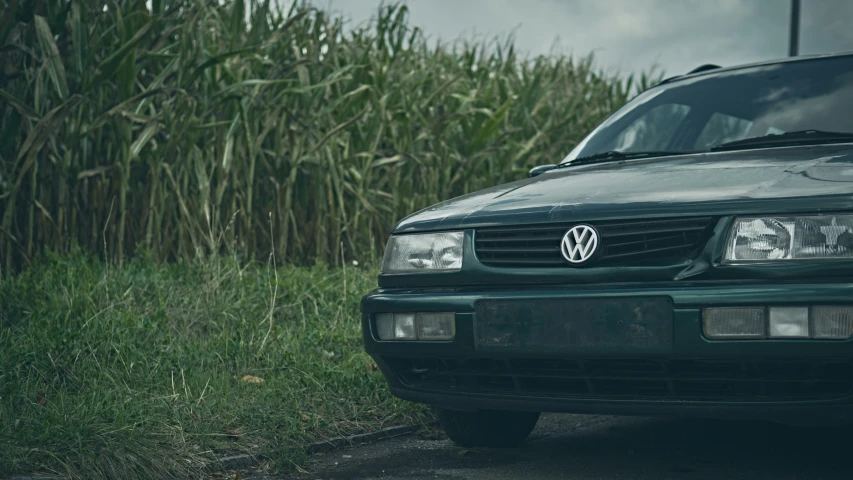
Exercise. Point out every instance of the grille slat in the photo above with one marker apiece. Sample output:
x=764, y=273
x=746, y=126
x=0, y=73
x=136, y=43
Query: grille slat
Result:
x=622, y=232
x=549, y=238
x=675, y=248
x=520, y=250
x=629, y=242
x=643, y=224
x=527, y=261
x=658, y=379
x=634, y=243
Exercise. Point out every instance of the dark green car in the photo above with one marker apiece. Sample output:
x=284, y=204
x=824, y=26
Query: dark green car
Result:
x=693, y=255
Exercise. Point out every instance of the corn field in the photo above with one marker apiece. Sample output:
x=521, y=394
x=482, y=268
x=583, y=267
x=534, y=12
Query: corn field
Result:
x=175, y=129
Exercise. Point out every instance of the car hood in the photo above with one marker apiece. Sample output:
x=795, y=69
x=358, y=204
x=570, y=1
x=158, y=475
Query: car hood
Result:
x=774, y=180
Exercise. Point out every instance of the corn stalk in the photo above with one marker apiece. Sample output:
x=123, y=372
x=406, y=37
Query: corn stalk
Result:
x=241, y=126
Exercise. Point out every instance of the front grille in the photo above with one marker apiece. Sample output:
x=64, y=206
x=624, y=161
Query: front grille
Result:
x=631, y=242
x=680, y=380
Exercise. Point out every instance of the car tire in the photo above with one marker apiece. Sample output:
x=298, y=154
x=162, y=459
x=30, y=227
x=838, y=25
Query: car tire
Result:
x=487, y=428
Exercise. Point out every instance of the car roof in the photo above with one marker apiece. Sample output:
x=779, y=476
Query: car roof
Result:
x=710, y=69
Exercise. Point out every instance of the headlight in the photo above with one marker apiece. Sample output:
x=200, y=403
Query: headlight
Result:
x=428, y=252
x=811, y=237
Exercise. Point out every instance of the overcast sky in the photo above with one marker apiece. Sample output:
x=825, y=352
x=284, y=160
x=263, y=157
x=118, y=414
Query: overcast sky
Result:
x=631, y=35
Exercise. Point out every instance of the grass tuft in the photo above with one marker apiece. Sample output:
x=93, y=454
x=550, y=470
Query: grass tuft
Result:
x=137, y=371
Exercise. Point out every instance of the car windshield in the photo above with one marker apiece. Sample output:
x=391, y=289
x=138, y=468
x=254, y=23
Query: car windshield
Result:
x=700, y=113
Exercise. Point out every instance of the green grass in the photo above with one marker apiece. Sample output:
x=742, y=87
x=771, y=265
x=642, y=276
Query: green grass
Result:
x=136, y=371
x=205, y=129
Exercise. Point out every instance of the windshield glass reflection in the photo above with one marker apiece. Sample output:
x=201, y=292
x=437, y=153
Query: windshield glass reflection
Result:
x=697, y=114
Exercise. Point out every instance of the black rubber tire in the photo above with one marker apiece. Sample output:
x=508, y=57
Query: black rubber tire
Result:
x=487, y=428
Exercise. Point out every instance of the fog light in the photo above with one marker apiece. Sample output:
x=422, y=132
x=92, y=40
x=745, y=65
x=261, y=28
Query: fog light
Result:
x=415, y=326
x=735, y=322
x=385, y=326
x=436, y=326
x=395, y=326
x=832, y=322
x=789, y=322
x=404, y=326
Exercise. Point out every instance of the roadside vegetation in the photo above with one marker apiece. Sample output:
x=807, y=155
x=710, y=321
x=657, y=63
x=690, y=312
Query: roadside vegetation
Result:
x=184, y=192
x=164, y=131
x=154, y=371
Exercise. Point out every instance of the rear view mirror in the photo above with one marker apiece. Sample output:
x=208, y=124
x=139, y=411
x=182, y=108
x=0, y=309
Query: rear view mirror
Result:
x=536, y=171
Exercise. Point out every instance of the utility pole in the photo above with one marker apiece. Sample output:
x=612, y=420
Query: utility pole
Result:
x=794, y=35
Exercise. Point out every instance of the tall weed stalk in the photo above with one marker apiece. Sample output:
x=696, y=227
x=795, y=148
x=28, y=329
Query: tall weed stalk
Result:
x=195, y=114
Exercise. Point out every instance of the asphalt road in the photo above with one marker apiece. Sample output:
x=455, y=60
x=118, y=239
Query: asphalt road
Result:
x=578, y=447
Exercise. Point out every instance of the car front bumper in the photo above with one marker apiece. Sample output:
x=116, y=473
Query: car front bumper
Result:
x=682, y=373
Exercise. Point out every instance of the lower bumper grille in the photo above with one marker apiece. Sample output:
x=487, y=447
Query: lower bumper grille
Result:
x=695, y=380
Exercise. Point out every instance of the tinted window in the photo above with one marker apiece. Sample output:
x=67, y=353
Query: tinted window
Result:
x=701, y=112
x=722, y=128
x=653, y=130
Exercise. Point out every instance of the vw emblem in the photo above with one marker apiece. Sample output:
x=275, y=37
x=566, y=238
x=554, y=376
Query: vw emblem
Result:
x=579, y=243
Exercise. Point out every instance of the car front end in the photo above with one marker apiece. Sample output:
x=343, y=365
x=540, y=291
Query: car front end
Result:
x=714, y=283
x=713, y=342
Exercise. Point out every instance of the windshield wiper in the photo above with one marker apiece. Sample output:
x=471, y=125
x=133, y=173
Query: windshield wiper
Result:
x=801, y=137
x=615, y=155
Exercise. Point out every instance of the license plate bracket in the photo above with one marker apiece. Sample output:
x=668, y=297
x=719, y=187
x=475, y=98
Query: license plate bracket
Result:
x=624, y=325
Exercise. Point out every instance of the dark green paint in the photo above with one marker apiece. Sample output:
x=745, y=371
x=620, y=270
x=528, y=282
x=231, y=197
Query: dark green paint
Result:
x=768, y=180
x=705, y=266
x=790, y=180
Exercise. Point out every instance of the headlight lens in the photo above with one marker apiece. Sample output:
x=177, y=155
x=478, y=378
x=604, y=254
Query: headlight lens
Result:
x=763, y=239
x=427, y=252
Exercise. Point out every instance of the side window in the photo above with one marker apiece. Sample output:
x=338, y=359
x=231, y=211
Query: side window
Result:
x=653, y=130
x=722, y=128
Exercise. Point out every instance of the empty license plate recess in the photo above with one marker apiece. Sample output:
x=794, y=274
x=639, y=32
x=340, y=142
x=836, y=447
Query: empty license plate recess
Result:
x=580, y=326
